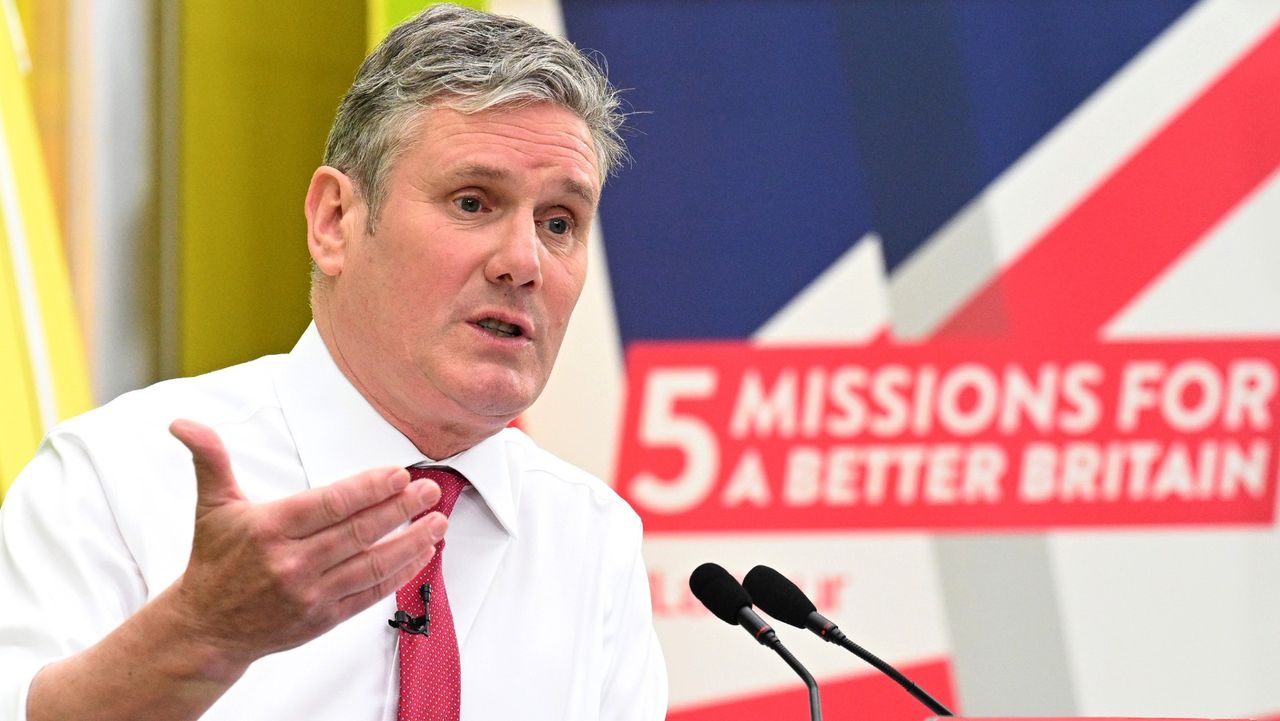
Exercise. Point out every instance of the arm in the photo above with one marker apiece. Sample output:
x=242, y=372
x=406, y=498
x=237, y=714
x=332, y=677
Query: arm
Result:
x=261, y=578
x=152, y=666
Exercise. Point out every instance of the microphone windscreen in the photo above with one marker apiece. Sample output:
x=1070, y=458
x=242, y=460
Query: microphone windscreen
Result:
x=778, y=596
x=719, y=591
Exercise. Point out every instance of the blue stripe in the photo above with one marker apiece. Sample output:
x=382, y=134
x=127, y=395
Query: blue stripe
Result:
x=772, y=135
x=745, y=184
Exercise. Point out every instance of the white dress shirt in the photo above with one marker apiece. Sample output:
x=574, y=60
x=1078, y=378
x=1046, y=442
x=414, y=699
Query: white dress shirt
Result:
x=549, y=594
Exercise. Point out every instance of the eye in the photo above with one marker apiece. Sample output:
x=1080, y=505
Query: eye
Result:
x=469, y=204
x=559, y=226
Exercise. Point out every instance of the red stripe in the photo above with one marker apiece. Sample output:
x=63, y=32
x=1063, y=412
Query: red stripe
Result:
x=1140, y=219
x=866, y=697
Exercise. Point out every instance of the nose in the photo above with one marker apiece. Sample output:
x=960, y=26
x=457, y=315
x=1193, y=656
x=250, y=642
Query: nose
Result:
x=516, y=259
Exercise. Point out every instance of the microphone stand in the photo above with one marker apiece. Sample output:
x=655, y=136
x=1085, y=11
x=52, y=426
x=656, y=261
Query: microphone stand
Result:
x=815, y=701
x=921, y=695
x=729, y=601
x=767, y=637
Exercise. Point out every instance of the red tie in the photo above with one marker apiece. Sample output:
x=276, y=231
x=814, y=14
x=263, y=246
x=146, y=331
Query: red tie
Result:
x=430, y=671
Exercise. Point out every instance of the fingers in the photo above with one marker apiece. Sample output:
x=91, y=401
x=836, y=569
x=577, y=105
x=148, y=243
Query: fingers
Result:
x=312, y=511
x=321, y=555
x=393, y=562
x=215, y=484
x=337, y=543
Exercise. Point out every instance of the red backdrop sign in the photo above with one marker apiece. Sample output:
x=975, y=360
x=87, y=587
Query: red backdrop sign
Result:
x=724, y=436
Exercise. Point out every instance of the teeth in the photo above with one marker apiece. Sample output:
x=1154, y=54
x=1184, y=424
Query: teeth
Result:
x=498, y=326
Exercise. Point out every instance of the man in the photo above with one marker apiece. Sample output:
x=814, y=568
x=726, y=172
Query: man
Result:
x=448, y=230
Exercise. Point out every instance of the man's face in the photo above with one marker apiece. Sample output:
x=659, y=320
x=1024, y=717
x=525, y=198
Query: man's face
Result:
x=453, y=311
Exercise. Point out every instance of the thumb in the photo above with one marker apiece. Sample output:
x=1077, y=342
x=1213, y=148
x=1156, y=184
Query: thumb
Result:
x=215, y=484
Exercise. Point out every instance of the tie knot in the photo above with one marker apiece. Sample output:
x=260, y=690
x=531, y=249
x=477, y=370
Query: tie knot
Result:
x=450, y=481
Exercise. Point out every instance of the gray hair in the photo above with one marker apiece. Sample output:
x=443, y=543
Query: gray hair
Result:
x=468, y=61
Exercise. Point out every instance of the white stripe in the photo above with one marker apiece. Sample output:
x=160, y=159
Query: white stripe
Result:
x=23, y=277
x=848, y=303
x=14, y=20
x=543, y=14
x=1068, y=163
x=578, y=412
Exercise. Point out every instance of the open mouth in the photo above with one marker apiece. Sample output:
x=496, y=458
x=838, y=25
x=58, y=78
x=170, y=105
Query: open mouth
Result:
x=498, y=328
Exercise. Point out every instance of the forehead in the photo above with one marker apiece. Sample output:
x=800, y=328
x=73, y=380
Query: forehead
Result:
x=542, y=141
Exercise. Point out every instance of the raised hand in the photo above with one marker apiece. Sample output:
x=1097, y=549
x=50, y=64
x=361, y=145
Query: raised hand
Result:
x=268, y=577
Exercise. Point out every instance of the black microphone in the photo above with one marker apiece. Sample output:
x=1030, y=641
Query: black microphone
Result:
x=410, y=623
x=729, y=601
x=783, y=600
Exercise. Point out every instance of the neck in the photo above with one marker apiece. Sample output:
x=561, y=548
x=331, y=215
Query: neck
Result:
x=434, y=435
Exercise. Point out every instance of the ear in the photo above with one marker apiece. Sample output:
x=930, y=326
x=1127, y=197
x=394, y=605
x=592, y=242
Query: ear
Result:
x=335, y=217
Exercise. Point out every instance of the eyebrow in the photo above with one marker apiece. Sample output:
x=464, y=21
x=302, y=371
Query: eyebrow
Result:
x=489, y=172
x=474, y=170
x=575, y=188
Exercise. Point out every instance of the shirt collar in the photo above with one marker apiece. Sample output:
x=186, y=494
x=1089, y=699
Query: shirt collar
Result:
x=338, y=434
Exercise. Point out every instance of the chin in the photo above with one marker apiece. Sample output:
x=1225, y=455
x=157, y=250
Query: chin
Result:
x=494, y=412
x=499, y=399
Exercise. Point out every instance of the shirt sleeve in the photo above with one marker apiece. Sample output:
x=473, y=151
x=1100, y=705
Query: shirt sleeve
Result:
x=636, y=684
x=67, y=576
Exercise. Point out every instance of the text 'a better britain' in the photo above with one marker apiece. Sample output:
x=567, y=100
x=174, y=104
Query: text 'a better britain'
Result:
x=727, y=436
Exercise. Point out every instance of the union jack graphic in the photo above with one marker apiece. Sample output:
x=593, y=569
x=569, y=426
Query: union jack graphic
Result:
x=968, y=191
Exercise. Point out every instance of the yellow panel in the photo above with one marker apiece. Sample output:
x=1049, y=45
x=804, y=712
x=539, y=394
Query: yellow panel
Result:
x=386, y=14
x=259, y=86
x=62, y=333
x=20, y=428
x=44, y=272
x=46, y=24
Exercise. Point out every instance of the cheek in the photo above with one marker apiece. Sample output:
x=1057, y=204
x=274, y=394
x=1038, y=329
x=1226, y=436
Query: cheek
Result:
x=561, y=297
x=567, y=283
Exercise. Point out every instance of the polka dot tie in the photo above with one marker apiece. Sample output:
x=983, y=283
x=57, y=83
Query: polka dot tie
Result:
x=430, y=670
